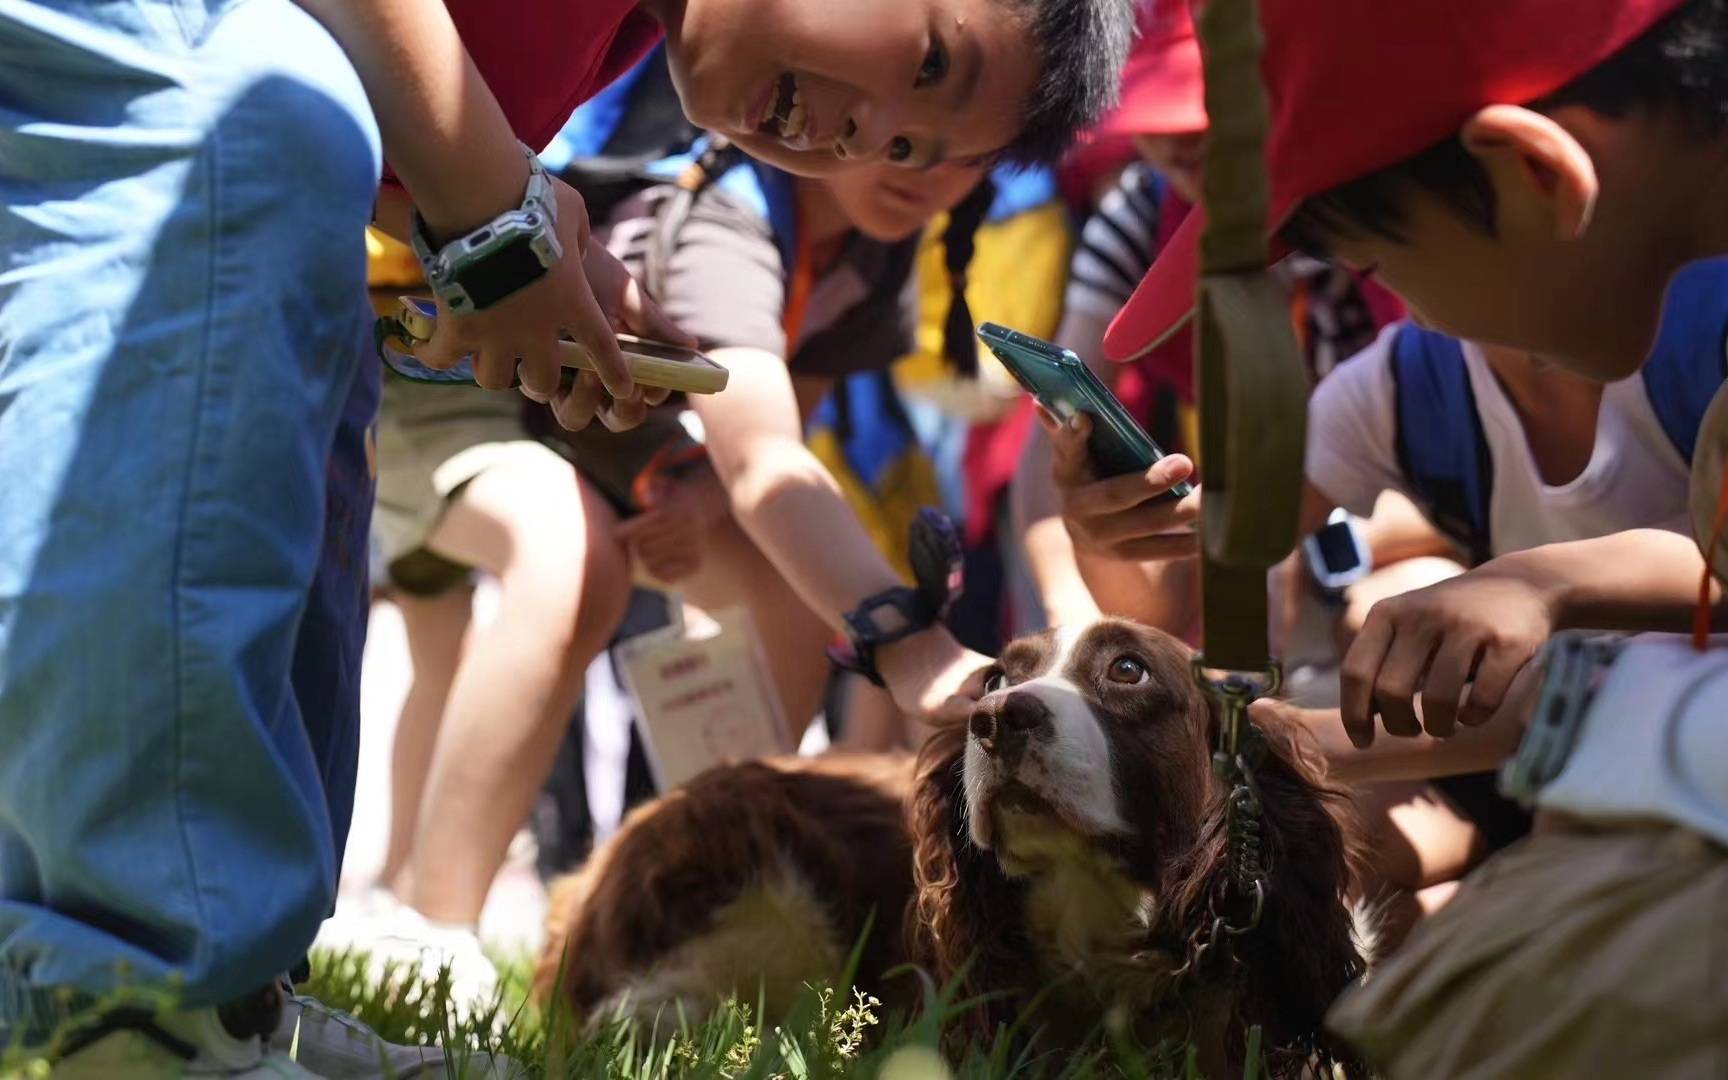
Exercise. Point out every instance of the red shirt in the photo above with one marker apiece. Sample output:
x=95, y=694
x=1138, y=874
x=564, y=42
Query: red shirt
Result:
x=543, y=58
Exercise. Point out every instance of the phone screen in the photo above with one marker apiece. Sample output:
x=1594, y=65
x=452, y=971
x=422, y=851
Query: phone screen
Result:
x=660, y=350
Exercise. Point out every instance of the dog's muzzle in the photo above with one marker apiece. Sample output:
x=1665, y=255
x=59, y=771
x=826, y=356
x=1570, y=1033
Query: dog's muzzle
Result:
x=1003, y=728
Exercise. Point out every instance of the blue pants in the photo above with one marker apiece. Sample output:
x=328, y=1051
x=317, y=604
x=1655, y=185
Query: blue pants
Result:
x=185, y=490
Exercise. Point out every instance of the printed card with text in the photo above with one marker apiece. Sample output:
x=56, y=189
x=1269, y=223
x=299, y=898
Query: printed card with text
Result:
x=703, y=696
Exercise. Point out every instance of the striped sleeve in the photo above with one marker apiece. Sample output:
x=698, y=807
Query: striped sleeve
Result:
x=1116, y=246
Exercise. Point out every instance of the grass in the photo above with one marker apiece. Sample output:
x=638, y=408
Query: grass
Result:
x=832, y=1033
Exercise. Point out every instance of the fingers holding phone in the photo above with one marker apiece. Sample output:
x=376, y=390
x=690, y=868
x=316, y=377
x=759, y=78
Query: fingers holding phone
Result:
x=1130, y=517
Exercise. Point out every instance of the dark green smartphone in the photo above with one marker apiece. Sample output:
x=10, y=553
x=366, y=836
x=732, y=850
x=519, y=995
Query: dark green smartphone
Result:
x=1063, y=384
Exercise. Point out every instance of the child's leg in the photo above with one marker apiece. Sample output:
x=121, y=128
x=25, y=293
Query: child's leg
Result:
x=1419, y=846
x=436, y=627
x=872, y=721
x=181, y=333
x=563, y=588
x=735, y=573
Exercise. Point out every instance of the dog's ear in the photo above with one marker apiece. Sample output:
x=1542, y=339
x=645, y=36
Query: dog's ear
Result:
x=965, y=915
x=1304, y=954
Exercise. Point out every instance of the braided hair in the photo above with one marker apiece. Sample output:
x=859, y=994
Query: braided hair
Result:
x=958, y=243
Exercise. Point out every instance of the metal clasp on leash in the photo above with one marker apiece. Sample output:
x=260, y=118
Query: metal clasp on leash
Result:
x=1232, y=763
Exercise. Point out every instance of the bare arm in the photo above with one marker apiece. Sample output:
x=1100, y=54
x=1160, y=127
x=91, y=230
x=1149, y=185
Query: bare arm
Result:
x=1463, y=641
x=451, y=145
x=1421, y=757
x=789, y=505
x=1644, y=579
x=444, y=133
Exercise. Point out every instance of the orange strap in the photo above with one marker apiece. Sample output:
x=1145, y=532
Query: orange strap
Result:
x=644, y=487
x=798, y=286
x=1701, y=616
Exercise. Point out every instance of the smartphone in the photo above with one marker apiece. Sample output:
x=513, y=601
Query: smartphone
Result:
x=651, y=363
x=1063, y=384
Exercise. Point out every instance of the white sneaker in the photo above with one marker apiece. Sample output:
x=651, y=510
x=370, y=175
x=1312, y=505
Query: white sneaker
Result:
x=399, y=943
x=337, y=1046
x=176, y=1045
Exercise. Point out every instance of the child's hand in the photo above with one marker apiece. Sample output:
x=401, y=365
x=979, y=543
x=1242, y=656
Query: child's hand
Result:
x=1113, y=517
x=1480, y=628
x=587, y=294
x=666, y=539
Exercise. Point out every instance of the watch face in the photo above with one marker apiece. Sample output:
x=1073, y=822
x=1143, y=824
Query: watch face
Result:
x=501, y=272
x=1337, y=548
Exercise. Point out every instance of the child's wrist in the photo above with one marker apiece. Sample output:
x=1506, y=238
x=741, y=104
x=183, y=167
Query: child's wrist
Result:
x=1544, y=571
x=463, y=200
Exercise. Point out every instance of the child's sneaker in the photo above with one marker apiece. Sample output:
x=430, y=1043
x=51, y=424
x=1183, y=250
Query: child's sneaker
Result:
x=399, y=944
x=140, y=1045
x=337, y=1046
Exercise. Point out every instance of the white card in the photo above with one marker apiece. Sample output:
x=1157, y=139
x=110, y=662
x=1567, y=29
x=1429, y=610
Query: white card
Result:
x=703, y=696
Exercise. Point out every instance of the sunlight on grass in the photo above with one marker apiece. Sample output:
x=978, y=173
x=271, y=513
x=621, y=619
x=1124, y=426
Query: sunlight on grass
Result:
x=830, y=1034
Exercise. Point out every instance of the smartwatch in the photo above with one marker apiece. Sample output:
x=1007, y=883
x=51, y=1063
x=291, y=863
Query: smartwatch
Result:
x=1337, y=554
x=501, y=257
x=937, y=566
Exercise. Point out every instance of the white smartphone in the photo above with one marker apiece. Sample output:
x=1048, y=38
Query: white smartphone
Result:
x=651, y=363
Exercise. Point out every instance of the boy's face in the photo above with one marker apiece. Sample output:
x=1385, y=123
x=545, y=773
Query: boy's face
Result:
x=814, y=86
x=1584, y=306
x=1177, y=158
x=1580, y=258
x=889, y=204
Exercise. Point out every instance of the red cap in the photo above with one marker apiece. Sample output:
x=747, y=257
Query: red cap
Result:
x=1162, y=92
x=1357, y=85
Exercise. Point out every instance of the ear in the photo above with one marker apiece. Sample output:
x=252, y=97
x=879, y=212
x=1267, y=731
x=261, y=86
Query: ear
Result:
x=964, y=915
x=1304, y=953
x=1542, y=175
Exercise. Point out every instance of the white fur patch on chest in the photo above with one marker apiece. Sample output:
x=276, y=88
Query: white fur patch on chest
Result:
x=1080, y=907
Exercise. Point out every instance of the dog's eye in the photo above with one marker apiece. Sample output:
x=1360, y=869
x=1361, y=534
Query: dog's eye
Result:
x=1128, y=671
x=995, y=681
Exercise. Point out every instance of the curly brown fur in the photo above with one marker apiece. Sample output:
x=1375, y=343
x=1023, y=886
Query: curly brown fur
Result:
x=1283, y=975
x=678, y=861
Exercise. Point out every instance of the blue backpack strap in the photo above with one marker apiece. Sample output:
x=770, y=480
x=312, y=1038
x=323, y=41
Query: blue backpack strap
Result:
x=1689, y=361
x=1441, y=448
x=1020, y=188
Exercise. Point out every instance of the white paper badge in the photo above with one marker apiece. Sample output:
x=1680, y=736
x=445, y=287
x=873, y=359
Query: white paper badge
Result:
x=703, y=696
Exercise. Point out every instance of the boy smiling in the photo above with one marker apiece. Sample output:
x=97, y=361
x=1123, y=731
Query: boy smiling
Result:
x=184, y=382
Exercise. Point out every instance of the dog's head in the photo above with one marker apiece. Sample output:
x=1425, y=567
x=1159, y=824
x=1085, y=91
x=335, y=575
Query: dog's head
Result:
x=1093, y=743
x=1095, y=733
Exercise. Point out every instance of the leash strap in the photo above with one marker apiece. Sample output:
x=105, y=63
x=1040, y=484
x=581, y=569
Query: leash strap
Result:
x=1253, y=417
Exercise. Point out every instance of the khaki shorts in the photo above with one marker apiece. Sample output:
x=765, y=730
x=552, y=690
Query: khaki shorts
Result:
x=1574, y=953
x=432, y=441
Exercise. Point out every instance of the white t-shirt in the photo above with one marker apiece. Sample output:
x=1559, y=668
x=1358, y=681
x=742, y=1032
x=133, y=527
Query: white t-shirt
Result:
x=1635, y=479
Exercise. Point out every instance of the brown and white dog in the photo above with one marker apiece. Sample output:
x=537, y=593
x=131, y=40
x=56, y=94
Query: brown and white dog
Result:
x=1068, y=839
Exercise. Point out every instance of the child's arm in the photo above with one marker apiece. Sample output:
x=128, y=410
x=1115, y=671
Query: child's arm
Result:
x=448, y=140
x=789, y=505
x=1423, y=757
x=1482, y=627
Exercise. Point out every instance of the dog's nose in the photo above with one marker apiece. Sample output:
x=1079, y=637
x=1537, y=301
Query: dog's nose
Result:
x=1004, y=729
x=982, y=726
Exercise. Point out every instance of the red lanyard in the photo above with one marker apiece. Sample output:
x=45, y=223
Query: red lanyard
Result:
x=1701, y=616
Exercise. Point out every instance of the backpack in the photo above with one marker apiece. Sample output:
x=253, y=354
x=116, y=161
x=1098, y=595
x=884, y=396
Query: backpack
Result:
x=1443, y=452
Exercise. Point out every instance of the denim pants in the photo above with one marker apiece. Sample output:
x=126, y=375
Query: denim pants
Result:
x=185, y=491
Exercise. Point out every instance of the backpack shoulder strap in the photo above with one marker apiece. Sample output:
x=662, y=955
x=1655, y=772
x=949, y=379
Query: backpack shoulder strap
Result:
x=715, y=162
x=1441, y=449
x=1689, y=361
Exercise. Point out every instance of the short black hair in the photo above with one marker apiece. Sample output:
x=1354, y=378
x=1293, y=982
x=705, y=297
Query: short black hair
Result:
x=1081, y=46
x=1679, y=66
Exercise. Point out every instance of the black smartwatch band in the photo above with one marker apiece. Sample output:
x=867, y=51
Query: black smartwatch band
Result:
x=937, y=565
